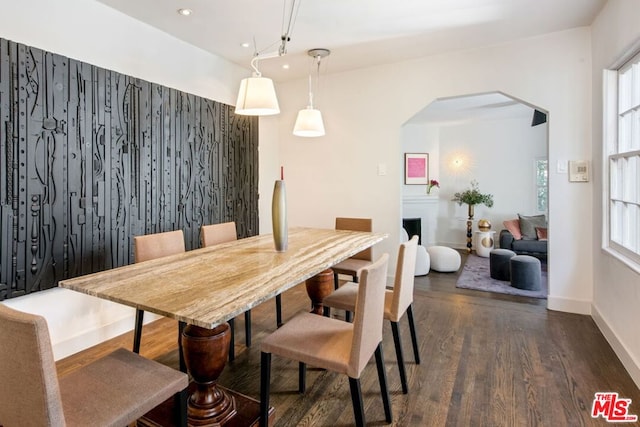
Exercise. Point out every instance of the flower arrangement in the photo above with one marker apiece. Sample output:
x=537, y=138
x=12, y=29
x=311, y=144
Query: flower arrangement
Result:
x=473, y=196
x=432, y=183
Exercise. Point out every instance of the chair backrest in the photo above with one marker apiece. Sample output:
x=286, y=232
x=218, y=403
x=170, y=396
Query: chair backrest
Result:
x=218, y=233
x=29, y=389
x=357, y=224
x=152, y=246
x=405, y=276
x=369, y=314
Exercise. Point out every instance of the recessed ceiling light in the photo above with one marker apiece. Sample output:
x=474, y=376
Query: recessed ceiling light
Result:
x=285, y=66
x=245, y=44
x=185, y=12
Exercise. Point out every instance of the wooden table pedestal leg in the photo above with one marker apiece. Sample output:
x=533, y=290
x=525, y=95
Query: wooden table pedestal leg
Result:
x=205, y=354
x=318, y=287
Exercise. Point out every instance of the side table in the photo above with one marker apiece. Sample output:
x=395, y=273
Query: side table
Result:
x=484, y=243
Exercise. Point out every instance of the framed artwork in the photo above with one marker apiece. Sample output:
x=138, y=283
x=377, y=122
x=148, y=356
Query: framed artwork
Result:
x=416, y=168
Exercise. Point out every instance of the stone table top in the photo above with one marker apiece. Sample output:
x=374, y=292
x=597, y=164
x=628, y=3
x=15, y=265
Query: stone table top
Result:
x=208, y=286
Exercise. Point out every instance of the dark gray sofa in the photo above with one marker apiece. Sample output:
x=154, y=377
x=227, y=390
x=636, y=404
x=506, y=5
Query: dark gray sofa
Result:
x=537, y=248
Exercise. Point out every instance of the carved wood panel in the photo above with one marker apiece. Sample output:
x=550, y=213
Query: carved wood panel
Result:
x=90, y=158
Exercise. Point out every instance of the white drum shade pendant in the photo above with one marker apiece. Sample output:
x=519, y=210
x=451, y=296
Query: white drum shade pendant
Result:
x=257, y=97
x=309, y=121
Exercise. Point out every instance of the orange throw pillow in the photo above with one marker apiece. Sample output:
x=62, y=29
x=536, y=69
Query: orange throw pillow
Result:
x=513, y=225
x=541, y=232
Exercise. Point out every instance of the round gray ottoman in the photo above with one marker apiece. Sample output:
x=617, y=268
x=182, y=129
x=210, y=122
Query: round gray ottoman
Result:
x=499, y=264
x=525, y=272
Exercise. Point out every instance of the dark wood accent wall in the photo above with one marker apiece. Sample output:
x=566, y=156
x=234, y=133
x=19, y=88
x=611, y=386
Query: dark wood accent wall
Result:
x=90, y=157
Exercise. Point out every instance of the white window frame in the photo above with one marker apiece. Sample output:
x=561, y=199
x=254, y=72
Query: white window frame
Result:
x=537, y=187
x=621, y=160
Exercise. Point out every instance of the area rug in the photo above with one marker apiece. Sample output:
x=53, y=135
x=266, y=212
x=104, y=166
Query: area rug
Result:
x=475, y=275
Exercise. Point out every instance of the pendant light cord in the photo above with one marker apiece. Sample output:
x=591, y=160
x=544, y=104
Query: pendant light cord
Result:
x=288, y=30
x=284, y=39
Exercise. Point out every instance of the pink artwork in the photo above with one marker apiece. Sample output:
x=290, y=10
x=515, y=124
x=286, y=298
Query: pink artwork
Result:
x=416, y=168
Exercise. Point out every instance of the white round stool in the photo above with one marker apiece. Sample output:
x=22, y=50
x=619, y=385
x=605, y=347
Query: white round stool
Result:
x=423, y=261
x=444, y=259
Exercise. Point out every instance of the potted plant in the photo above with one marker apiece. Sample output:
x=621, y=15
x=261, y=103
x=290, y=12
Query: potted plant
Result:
x=472, y=196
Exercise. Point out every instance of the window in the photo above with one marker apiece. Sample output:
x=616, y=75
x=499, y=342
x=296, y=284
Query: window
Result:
x=542, y=191
x=622, y=145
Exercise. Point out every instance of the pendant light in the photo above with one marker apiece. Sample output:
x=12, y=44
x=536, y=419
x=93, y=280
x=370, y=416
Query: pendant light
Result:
x=309, y=121
x=257, y=95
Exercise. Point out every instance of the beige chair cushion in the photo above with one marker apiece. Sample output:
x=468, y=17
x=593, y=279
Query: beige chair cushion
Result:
x=404, y=279
x=398, y=299
x=345, y=299
x=218, y=233
x=357, y=224
x=28, y=380
x=117, y=389
x=112, y=391
x=351, y=266
x=152, y=246
x=327, y=342
x=332, y=344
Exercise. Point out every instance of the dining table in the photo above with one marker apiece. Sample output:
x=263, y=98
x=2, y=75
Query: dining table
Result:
x=204, y=288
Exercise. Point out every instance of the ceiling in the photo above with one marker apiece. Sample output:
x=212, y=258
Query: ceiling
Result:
x=359, y=33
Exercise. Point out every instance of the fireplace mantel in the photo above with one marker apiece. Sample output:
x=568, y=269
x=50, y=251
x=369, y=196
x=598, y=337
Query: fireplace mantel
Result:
x=425, y=207
x=420, y=199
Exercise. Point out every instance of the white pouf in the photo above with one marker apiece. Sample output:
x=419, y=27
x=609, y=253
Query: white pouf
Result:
x=444, y=259
x=423, y=261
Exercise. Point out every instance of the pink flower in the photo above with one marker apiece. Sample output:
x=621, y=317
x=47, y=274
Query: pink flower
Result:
x=432, y=183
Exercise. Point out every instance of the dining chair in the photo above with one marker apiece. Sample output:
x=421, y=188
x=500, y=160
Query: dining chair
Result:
x=114, y=390
x=214, y=234
x=334, y=345
x=354, y=265
x=152, y=246
x=397, y=301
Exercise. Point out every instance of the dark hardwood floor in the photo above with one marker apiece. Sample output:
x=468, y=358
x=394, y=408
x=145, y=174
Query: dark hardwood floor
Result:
x=487, y=360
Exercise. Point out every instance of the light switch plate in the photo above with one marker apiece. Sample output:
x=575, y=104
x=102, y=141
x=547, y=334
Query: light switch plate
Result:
x=561, y=166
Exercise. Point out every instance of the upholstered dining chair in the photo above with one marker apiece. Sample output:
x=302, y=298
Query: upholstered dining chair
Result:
x=397, y=301
x=148, y=247
x=352, y=266
x=114, y=390
x=334, y=345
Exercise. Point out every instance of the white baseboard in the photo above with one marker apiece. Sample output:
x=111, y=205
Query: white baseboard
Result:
x=632, y=366
x=453, y=245
x=95, y=336
x=568, y=305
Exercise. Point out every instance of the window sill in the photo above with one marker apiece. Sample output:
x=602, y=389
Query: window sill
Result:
x=633, y=265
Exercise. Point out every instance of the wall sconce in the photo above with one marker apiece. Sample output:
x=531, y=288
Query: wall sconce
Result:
x=309, y=121
x=459, y=164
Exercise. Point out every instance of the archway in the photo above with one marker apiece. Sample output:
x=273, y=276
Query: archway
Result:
x=492, y=138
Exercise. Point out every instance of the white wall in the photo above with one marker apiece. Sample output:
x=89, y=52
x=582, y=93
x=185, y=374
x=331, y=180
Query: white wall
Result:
x=364, y=111
x=91, y=32
x=500, y=155
x=616, y=286
x=421, y=138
